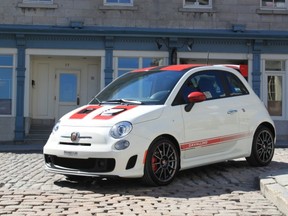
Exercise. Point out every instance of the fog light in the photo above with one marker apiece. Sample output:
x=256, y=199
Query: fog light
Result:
x=122, y=144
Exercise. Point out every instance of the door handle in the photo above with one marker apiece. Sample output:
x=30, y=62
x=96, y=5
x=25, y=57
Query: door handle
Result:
x=78, y=100
x=230, y=112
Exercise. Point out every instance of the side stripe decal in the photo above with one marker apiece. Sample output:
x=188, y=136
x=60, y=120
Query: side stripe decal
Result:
x=213, y=141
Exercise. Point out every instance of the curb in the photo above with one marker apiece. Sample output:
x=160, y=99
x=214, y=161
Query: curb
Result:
x=22, y=148
x=274, y=187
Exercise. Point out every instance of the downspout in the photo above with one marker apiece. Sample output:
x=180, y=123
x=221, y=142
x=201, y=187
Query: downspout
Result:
x=20, y=88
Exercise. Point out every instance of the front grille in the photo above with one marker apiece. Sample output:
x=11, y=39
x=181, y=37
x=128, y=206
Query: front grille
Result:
x=100, y=165
x=75, y=144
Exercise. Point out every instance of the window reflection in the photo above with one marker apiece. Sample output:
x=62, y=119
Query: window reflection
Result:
x=275, y=95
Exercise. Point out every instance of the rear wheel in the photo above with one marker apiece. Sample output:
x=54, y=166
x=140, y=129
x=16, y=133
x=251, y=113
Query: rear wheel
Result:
x=262, y=147
x=162, y=163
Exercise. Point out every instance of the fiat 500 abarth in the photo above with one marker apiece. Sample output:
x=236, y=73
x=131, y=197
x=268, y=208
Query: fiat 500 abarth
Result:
x=150, y=123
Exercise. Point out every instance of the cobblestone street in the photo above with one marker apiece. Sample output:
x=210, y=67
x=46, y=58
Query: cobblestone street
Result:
x=230, y=188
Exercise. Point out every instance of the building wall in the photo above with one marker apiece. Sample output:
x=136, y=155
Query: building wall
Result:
x=149, y=28
x=145, y=13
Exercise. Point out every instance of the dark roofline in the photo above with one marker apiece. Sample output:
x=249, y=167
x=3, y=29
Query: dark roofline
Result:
x=140, y=32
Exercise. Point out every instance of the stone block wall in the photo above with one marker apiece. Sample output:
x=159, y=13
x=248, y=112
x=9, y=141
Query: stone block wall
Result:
x=145, y=14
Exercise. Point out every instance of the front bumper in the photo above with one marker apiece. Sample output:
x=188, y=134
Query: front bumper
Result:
x=95, y=160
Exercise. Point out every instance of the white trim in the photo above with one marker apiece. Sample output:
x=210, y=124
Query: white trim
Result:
x=124, y=53
x=211, y=55
x=283, y=74
x=67, y=52
x=197, y=5
x=102, y=81
x=27, y=91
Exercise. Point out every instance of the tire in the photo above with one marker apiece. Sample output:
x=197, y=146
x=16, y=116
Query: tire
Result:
x=262, y=147
x=162, y=163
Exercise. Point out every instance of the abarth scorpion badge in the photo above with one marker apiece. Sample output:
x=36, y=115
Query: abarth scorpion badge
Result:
x=75, y=136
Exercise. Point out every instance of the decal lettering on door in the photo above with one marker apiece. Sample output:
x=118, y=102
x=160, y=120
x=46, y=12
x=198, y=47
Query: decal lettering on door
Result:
x=213, y=141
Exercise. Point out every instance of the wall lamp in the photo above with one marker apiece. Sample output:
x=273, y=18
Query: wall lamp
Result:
x=190, y=44
x=160, y=42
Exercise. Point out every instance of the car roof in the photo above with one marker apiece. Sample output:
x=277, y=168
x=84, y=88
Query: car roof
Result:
x=180, y=67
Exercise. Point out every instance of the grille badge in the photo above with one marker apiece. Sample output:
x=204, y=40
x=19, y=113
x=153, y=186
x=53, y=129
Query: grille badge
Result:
x=75, y=136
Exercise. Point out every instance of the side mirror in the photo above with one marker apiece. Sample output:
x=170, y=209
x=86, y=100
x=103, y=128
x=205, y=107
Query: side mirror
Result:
x=194, y=97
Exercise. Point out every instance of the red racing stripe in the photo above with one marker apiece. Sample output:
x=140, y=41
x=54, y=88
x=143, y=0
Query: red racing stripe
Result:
x=110, y=113
x=213, y=141
x=181, y=67
x=84, y=112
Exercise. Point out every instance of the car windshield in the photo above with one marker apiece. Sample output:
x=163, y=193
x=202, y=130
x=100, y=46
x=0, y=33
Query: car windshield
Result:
x=151, y=88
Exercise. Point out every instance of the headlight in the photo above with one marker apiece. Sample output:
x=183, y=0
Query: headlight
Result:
x=56, y=127
x=121, y=129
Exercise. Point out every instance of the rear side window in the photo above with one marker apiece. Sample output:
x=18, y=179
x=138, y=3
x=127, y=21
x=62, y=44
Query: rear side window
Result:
x=235, y=86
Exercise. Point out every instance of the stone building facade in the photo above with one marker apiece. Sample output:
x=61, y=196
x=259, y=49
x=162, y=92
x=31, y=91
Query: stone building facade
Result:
x=55, y=55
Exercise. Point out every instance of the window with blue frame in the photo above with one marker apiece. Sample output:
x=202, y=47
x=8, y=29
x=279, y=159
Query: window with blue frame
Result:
x=6, y=80
x=118, y=2
x=197, y=3
x=274, y=4
x=126, y=64
x=39, y=1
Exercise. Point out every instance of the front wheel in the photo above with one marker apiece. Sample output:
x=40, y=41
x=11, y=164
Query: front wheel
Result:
x=262, y=147
x=162, y=163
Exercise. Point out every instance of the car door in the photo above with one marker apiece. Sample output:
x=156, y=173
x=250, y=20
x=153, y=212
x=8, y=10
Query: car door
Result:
x=211, y=126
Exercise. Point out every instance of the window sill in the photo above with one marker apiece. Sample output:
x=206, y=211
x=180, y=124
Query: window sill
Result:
x=272, y=11
x=35, y=5
x=197, y=10
x=132, y=8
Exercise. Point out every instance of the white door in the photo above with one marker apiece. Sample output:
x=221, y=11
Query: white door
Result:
x=68, y=89
x=211, y=127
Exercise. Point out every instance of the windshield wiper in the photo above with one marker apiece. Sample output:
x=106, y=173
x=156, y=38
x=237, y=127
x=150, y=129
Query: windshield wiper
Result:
x=95, y=101
x=126, y=101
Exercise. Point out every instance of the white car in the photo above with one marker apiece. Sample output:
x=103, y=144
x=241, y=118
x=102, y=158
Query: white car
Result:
x=150, y=123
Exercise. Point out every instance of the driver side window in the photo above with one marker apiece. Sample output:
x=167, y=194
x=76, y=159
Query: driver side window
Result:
x=208, y=82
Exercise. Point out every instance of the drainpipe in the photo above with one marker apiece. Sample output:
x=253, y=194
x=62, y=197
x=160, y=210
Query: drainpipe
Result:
x=256, y=70
x=20, y=70
x=108, y=71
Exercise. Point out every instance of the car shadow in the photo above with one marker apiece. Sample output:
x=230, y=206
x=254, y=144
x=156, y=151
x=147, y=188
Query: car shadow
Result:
x=217, y=179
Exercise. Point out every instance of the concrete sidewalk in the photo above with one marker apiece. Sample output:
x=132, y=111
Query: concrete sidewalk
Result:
x=21, y=147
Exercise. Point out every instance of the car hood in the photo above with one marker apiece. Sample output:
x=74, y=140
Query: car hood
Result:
x=108, y=115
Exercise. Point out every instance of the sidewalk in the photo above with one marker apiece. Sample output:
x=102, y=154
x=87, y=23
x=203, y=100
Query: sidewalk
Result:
x=274, y=185
x=21, y=147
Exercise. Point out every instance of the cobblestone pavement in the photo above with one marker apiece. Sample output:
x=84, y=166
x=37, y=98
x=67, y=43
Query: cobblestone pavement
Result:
x=230, y=188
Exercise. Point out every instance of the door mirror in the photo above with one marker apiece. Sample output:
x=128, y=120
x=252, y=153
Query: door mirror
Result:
x=196, y=97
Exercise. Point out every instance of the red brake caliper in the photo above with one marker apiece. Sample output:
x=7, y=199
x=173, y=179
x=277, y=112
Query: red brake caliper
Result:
x=154, y=166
